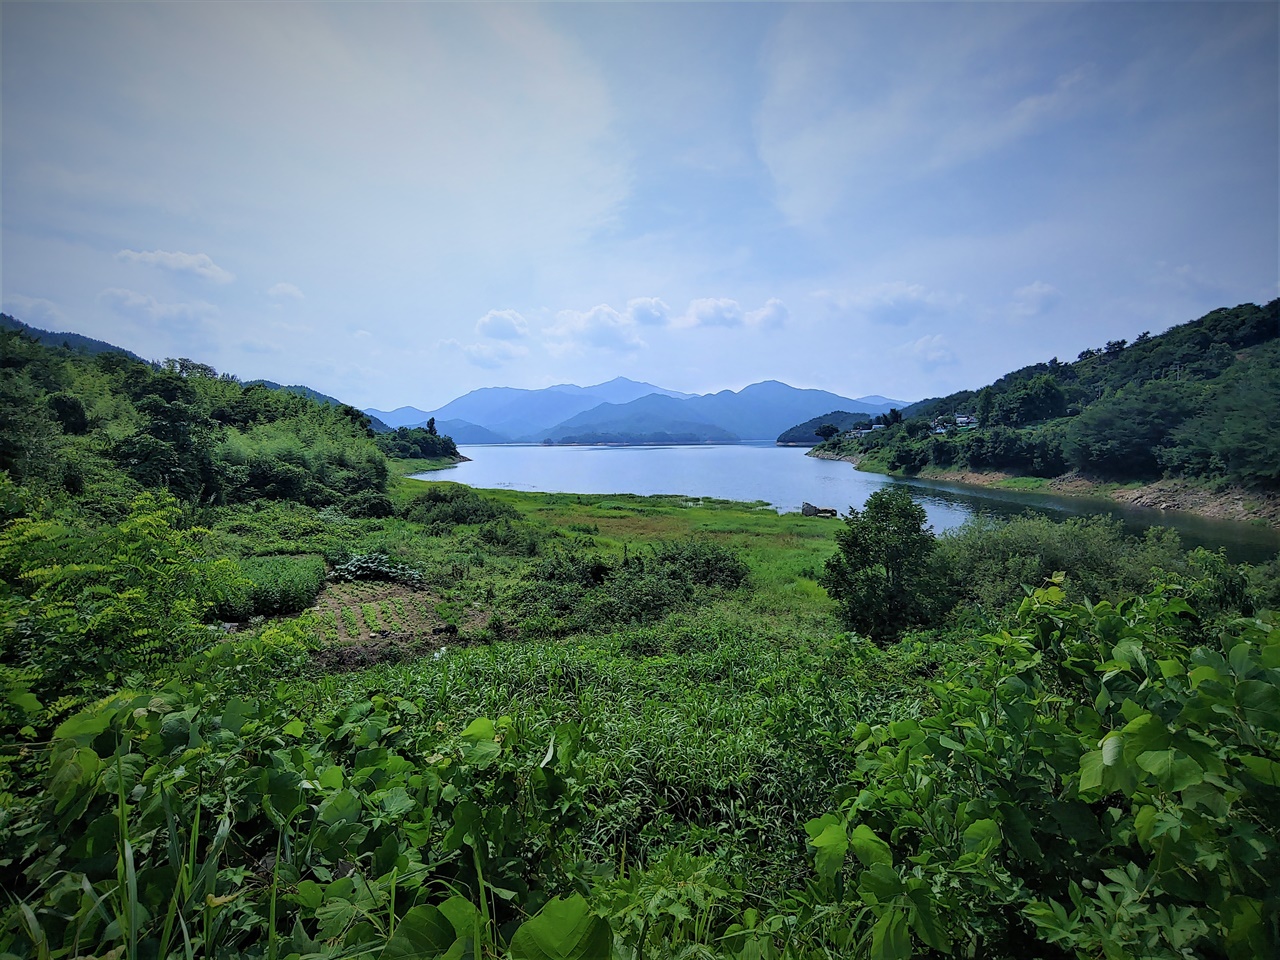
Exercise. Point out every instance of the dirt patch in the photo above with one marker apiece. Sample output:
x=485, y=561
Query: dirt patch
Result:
x=366, y=623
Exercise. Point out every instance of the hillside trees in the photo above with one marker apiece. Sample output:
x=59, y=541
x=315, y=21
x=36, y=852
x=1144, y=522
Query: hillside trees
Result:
x=110, y=424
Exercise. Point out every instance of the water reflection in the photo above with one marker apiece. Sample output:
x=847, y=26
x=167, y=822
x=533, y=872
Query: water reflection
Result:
x=785, y=478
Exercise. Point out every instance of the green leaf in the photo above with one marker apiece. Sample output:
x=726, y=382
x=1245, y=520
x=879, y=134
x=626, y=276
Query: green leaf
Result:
x=1260, y=702
x=462, y=913
x=880, y=884
x=869, y=848
x=1260, y=768
x=294, y=728
x=1173, y=772
x=479, y=730
x=424, y=933
x=981, y=837
x=563, y=930
x=924, y=921
x=830, y=843
x=235, y=715
x=890, y=937
x=1091, y=771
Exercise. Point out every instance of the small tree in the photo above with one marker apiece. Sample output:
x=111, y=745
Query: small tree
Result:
x=880, y=573
x=827, y=431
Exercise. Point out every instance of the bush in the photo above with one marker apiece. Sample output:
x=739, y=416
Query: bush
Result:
x=377, y=566
x=446, y=505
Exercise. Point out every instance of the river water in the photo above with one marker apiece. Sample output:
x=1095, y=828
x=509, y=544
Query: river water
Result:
x=784, y=478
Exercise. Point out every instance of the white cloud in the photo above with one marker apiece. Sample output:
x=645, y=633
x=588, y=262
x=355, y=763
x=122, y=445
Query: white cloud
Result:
x=281, y=291
x=773, y=314
x=713, y=312
x=930, y=351
x=601, y=327
x=648, y=311
x=132, y=303
x=1034, y=299
x=199, y=264
x=502, y=325
x=33, y=310
x=490, y=356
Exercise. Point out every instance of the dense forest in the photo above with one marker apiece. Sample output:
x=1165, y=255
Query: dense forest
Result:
x=260, y=696
x=1196, y=401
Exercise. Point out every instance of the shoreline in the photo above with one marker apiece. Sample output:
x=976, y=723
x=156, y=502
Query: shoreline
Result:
x=1186, y=496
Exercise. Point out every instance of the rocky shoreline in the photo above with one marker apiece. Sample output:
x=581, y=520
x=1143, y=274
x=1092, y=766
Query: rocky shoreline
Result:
x=1231, y=503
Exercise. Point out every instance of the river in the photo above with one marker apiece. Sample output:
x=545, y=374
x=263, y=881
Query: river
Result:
x=784, y=478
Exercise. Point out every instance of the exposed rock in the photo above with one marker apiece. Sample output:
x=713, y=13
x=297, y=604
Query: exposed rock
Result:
x=809, y=510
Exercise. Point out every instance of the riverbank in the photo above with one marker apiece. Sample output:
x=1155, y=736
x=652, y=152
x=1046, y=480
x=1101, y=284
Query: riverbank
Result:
x=405, y=467
x=1188, y=496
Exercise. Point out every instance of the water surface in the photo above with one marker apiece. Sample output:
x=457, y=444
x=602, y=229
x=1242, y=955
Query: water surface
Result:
x=784, y=478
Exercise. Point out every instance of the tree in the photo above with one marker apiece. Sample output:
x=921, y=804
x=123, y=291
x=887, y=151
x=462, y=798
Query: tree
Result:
x=431, y=427
x=881, y=570
x=827, y=431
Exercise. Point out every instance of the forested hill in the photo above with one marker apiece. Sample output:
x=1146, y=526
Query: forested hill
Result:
x=72, y=341
x=108, y=426
x=1200, y=400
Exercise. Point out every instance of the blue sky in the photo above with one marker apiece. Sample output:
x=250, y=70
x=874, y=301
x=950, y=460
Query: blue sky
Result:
x=397, y=203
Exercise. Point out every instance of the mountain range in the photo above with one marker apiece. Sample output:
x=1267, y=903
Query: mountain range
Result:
x=626, y=411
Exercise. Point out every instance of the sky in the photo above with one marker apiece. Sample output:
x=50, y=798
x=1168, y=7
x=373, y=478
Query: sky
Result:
x=397, y=203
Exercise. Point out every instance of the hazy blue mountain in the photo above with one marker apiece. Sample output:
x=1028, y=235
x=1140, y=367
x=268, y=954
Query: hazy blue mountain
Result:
x=75, y=341
x=622, y=408
x=464, y=432
x=759, y=412
x=516, y=412
x=400, y=416
x=876, y=400
x=649, y=415
x=621, y=390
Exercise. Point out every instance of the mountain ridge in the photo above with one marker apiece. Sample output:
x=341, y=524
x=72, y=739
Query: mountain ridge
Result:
x=629, y=411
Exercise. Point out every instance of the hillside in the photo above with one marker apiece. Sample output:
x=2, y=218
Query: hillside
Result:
x=72, y=341
x=297, y=389
x=805, y=434
x=1197, y=401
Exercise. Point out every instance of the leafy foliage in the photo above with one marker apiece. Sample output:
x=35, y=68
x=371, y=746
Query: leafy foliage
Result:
x=1184, y=402
x=882, y=560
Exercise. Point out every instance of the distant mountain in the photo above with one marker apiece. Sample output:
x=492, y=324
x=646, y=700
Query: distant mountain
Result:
x=74, y=341
x=803, y=434
x=399, y=417
x=760, y=411
x=646, y=416
x=628, y=411
x=464, y=432
x=516, y=413
x=621, y=390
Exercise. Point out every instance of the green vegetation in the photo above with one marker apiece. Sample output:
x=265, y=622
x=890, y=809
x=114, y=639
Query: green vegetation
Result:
x=495, y=724
x=1191, y=402
x=824, y=427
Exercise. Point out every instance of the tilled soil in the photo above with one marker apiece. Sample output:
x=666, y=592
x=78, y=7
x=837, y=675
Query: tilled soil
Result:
x=363, y=624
